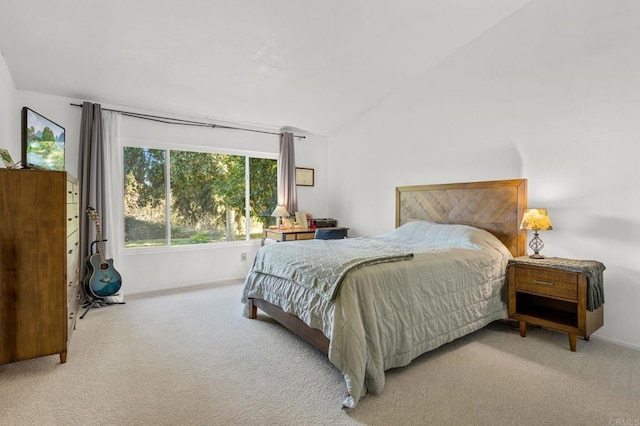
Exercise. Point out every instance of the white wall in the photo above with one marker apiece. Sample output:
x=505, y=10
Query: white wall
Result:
x=157, y=269
x=9, y=116
x=551, y=94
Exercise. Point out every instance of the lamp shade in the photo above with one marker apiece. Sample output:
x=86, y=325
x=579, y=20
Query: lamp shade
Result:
x=536, y=220
x=280, y=211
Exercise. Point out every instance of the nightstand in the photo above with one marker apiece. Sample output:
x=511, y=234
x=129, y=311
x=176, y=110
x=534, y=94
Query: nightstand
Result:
x=553, y=293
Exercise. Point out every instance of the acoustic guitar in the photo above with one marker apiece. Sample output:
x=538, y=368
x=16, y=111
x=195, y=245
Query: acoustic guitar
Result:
x=102, y=279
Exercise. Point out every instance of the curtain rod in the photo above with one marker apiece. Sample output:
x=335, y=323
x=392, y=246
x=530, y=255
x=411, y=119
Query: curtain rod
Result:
x=182, y=122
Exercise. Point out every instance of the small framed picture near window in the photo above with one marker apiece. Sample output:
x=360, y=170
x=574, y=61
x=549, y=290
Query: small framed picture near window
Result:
x=304, y=176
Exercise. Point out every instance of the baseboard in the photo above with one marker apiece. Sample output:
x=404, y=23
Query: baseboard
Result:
x=616, y=342
x=509, y=322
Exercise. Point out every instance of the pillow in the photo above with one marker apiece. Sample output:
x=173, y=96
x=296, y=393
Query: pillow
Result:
x=436, y=234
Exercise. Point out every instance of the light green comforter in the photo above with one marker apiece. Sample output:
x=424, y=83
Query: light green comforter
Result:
x=321, y=265
x=387, y=314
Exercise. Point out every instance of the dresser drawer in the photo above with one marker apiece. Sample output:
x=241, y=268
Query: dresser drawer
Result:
x=73, y=292
x=548, y=282
x=72, y=218
x=73, y=244
x=73, y=258
x=73, y=278
x=72, y=316
x=72, y=192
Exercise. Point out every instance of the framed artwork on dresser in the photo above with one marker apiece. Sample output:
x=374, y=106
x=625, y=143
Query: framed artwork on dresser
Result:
x=6, y=159
x=304, y=176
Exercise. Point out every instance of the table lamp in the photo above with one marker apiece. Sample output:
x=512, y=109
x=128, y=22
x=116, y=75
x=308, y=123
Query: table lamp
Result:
x=536, y=220
x=279, y=212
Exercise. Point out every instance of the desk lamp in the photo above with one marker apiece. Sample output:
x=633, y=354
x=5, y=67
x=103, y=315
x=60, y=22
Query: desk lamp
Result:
x=536, y=220
x=279, y=212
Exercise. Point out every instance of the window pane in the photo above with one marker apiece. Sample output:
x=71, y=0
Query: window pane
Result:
x=207, y=197
x=144, y=197
x=263, y=184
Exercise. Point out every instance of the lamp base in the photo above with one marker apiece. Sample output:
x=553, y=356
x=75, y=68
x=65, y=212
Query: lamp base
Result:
x=536, y=245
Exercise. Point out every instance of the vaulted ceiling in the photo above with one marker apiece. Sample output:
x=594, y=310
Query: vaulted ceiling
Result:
x=312, y=65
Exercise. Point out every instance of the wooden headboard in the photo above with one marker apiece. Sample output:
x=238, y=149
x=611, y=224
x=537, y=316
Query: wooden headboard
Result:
x=496, y=206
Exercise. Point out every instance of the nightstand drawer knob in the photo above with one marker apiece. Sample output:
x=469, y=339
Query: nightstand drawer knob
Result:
x=549, y=283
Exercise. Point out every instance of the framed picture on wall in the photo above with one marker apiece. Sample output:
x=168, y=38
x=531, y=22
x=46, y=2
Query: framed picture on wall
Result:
x=304, y=176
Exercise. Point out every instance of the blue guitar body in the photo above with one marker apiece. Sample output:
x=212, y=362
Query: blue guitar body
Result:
x=102, y=278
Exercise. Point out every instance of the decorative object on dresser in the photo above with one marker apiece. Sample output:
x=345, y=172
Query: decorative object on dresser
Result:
x=561, y=294
x=6, y=159
x=536, y=220
x=39, y=263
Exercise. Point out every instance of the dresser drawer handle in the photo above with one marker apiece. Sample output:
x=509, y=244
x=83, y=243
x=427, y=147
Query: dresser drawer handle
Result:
x=549, y=283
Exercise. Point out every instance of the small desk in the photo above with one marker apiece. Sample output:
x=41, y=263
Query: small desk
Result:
x=283, y=235
x=289, y=234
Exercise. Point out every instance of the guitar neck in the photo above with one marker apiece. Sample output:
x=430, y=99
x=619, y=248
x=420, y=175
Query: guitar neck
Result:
x=100, y=242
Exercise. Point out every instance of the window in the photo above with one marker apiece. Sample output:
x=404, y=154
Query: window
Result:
x=177, y=197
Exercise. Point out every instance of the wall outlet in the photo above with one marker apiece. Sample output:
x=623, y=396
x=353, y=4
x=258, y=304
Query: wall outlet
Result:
x=243, y=257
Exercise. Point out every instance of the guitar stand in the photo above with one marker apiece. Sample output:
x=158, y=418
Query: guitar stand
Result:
x=98, y=302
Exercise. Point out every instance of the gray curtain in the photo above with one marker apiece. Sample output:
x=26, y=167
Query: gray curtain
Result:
x=91, y=178
x=287, y=193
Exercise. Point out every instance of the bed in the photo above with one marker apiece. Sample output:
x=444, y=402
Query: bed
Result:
x=437, y=277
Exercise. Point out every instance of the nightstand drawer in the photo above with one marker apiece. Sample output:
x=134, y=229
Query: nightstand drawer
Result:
x=552, y=283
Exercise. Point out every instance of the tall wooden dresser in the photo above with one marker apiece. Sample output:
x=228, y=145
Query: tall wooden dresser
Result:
x=39, y=263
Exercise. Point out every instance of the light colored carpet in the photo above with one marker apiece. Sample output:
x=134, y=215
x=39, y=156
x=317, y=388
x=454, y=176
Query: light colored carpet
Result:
x=189, y=357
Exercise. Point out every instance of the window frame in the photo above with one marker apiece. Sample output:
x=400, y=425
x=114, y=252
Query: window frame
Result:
x=168, y=147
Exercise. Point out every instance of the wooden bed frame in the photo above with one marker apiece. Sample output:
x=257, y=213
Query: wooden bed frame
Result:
x=496, y=206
